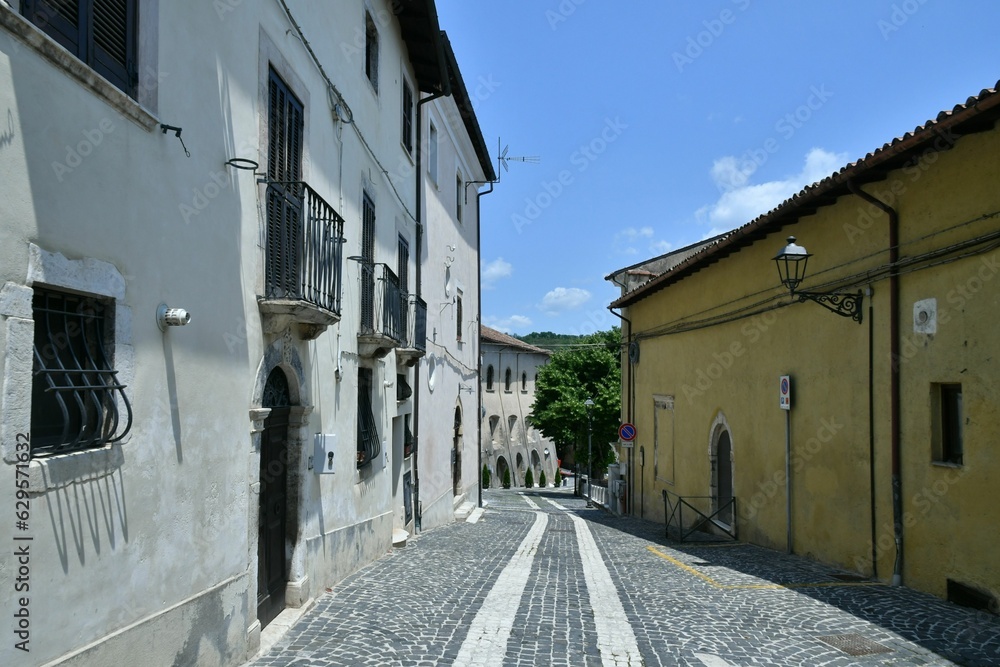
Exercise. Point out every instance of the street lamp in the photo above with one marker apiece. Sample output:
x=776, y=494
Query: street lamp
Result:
x=590, y=464
x=792, y=262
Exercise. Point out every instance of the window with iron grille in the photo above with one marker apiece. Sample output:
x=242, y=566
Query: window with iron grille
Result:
x=285, y=126
x=368, y=442
x=371, y=51
x=458, y=318
x=407, y=117
x=101, y=33
x=76, y=398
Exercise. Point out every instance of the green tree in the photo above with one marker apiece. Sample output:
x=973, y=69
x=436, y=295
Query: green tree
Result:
x=529, y=479
x=558, y=478
x=591, y=371
x=506, y=479
x=486, y=476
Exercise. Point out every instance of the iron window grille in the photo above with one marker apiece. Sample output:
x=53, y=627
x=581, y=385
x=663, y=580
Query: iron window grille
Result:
x=458, y=319
x=380, y=294
x=369, y=446
x=101, y=33
x=75, y=393
x=417, y=328
x=403, y=389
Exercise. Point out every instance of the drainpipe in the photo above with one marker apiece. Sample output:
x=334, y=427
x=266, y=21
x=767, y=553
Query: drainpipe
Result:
x=419, y=184
x=894, y=390
x=479, y=354
x=629, y=417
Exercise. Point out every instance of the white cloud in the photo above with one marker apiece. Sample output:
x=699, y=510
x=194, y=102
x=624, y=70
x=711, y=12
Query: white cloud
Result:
x=496, y=270
x=626, y=240
x=507, y=324
x=741, y=201
x=562, y=299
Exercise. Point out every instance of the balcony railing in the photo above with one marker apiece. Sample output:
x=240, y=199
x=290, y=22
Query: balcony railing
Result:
x=304, y=247
x=416, y=331
x=382, y=304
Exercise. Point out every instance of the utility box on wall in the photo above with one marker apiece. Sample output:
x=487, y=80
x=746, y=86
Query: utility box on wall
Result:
x=324, y=446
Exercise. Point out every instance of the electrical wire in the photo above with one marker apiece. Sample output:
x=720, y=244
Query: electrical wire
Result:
x=332, y=89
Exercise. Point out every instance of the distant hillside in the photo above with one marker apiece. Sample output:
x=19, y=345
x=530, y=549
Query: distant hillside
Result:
x=549, y=340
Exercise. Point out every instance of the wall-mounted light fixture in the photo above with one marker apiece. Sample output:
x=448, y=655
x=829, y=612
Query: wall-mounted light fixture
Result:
x=171, y=317
x=792, y=262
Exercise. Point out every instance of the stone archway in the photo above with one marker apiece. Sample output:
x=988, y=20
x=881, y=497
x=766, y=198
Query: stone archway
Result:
x=721, y=460
x=502, y=467
x=280, y=390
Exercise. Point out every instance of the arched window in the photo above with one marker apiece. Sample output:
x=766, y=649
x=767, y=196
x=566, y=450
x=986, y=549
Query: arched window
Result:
x=489, y=378
x=494, y=420
x=512, y=426
x=524, y=382
x=506, y=380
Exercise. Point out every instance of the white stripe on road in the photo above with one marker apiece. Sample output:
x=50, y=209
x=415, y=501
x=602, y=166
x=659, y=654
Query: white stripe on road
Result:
x=615, y=638
x=486, y=644
x=557, y=505
x=531, y=503
x=712, y=660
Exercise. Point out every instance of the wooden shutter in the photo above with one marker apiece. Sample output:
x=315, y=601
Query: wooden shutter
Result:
x=113, y=31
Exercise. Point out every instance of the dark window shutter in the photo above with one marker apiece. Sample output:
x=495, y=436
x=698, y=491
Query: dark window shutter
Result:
x=113, y=29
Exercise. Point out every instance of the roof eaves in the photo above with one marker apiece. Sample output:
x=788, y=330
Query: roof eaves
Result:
x=825, y=191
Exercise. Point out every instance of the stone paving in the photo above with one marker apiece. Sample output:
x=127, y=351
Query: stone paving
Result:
x=534, y=582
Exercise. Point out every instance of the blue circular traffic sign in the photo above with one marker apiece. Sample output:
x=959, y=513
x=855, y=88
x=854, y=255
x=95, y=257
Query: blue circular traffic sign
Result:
x=627, y=432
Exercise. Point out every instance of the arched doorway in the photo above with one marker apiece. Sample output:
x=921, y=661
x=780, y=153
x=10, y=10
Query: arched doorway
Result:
x=722, y=474
x=536, y=466
x=502, y=467
x=272, y=571
x=519, y=468
x=456, y=453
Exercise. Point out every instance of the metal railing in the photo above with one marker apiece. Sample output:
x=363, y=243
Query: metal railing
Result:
x=303, y=245
x=598, y=494
x=382, y=302
x=673, y=507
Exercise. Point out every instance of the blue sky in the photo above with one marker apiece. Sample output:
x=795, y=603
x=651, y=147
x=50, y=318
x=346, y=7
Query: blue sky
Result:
x=661, y=122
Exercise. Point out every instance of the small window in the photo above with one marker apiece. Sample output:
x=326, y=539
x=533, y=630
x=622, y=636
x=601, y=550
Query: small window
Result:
x=75, y=393
x=459, y=197
x=371, y=51
x=512, y=426
x=489, y=378
x=407, y=118
x=524, y=382
x=494, y=421
x=101, y=33
x=947, y=429
x=432, y=151
x=368, y=442
x=506, y=380
x=458, y=318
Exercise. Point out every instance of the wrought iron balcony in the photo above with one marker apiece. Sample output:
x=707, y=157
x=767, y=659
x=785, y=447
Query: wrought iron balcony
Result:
x=415, y=323
x=382, y=311
x=303, y=260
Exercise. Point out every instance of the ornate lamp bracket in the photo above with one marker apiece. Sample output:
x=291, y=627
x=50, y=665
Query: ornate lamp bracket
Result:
x=842, y=303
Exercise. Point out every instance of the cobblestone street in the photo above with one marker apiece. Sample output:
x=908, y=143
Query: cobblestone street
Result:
x=538, y=579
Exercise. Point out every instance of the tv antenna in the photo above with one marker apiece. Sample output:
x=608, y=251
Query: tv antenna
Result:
x=503, y=158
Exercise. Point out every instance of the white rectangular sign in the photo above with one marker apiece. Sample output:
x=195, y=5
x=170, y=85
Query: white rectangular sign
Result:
x=785, y=392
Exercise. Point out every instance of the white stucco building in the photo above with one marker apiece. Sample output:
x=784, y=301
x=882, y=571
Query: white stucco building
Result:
x=257, y=165
x=509, y=441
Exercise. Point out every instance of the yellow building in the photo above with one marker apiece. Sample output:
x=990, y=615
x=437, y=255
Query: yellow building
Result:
x=885, y=462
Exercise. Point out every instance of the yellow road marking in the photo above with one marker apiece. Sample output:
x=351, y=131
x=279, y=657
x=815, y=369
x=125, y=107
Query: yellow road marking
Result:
x=729, y=587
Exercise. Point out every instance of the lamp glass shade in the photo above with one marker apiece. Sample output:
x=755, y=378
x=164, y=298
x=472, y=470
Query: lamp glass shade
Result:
x=791, y=263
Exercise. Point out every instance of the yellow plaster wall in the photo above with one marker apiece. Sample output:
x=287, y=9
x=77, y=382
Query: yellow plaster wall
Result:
x=732, y=369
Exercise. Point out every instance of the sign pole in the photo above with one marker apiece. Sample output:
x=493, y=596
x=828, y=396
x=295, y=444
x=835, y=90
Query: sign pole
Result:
x=785, y=403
